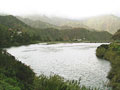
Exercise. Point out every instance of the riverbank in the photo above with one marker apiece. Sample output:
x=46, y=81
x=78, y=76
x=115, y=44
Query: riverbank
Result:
x=111, y=53
x=50, y=42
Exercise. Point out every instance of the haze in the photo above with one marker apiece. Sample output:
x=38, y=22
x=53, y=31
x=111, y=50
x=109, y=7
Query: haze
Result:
x=62, y=8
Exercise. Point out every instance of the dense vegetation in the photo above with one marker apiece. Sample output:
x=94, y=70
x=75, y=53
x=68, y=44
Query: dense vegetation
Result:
x=13, y=74
x=86, y=35
x=112, y=53
x=56, y=82
x=116, y=36
x=13, y=31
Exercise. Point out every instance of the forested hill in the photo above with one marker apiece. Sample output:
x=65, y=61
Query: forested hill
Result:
x=15, y=32
x=11, y=22
x=116, y=36
x=14, y=24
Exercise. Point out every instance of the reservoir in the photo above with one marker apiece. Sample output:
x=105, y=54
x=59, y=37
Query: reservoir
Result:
x=73, y=61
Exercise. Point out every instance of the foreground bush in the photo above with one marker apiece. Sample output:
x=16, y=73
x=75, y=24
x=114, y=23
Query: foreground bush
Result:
x=56, y=82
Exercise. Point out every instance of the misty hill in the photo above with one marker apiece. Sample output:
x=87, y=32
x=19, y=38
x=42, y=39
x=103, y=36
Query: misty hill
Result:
x=108, y=23
x=61, y=23
x=37, y=23
x=52, y=20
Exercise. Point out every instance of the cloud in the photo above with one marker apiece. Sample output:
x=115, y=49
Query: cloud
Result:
x=64, y=8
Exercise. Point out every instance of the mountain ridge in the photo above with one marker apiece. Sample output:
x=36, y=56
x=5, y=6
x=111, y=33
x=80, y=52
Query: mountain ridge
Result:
x=110, y=23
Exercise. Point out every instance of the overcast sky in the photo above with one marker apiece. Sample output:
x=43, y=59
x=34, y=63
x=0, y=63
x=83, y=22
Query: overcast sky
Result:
x=61, y=8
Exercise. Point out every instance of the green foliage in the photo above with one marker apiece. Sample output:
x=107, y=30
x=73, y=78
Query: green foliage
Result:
x=112, y=53
x=101, y=50
x=13, y=31
x=56, y=82
x=78, y=34
x=116, y=36
x=8, y=83
x=14, y=73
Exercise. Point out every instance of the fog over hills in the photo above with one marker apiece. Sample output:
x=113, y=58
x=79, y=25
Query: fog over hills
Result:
x=37, y=23
x=90, y=14
x=110, y=23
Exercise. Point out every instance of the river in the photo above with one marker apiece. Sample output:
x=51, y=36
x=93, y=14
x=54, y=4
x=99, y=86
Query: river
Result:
x=69, y=60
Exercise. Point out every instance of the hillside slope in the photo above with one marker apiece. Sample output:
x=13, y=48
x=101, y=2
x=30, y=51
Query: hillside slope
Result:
x=37, y=23
x=62, y=23
x=108, y=23
x=14, y=31
x=14, y=24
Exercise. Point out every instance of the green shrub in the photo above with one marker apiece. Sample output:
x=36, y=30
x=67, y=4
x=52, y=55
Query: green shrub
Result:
x=101, y=51
x=13, y=72
x=56, y=82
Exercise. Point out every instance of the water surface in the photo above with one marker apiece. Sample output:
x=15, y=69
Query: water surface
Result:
x=72, y=61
